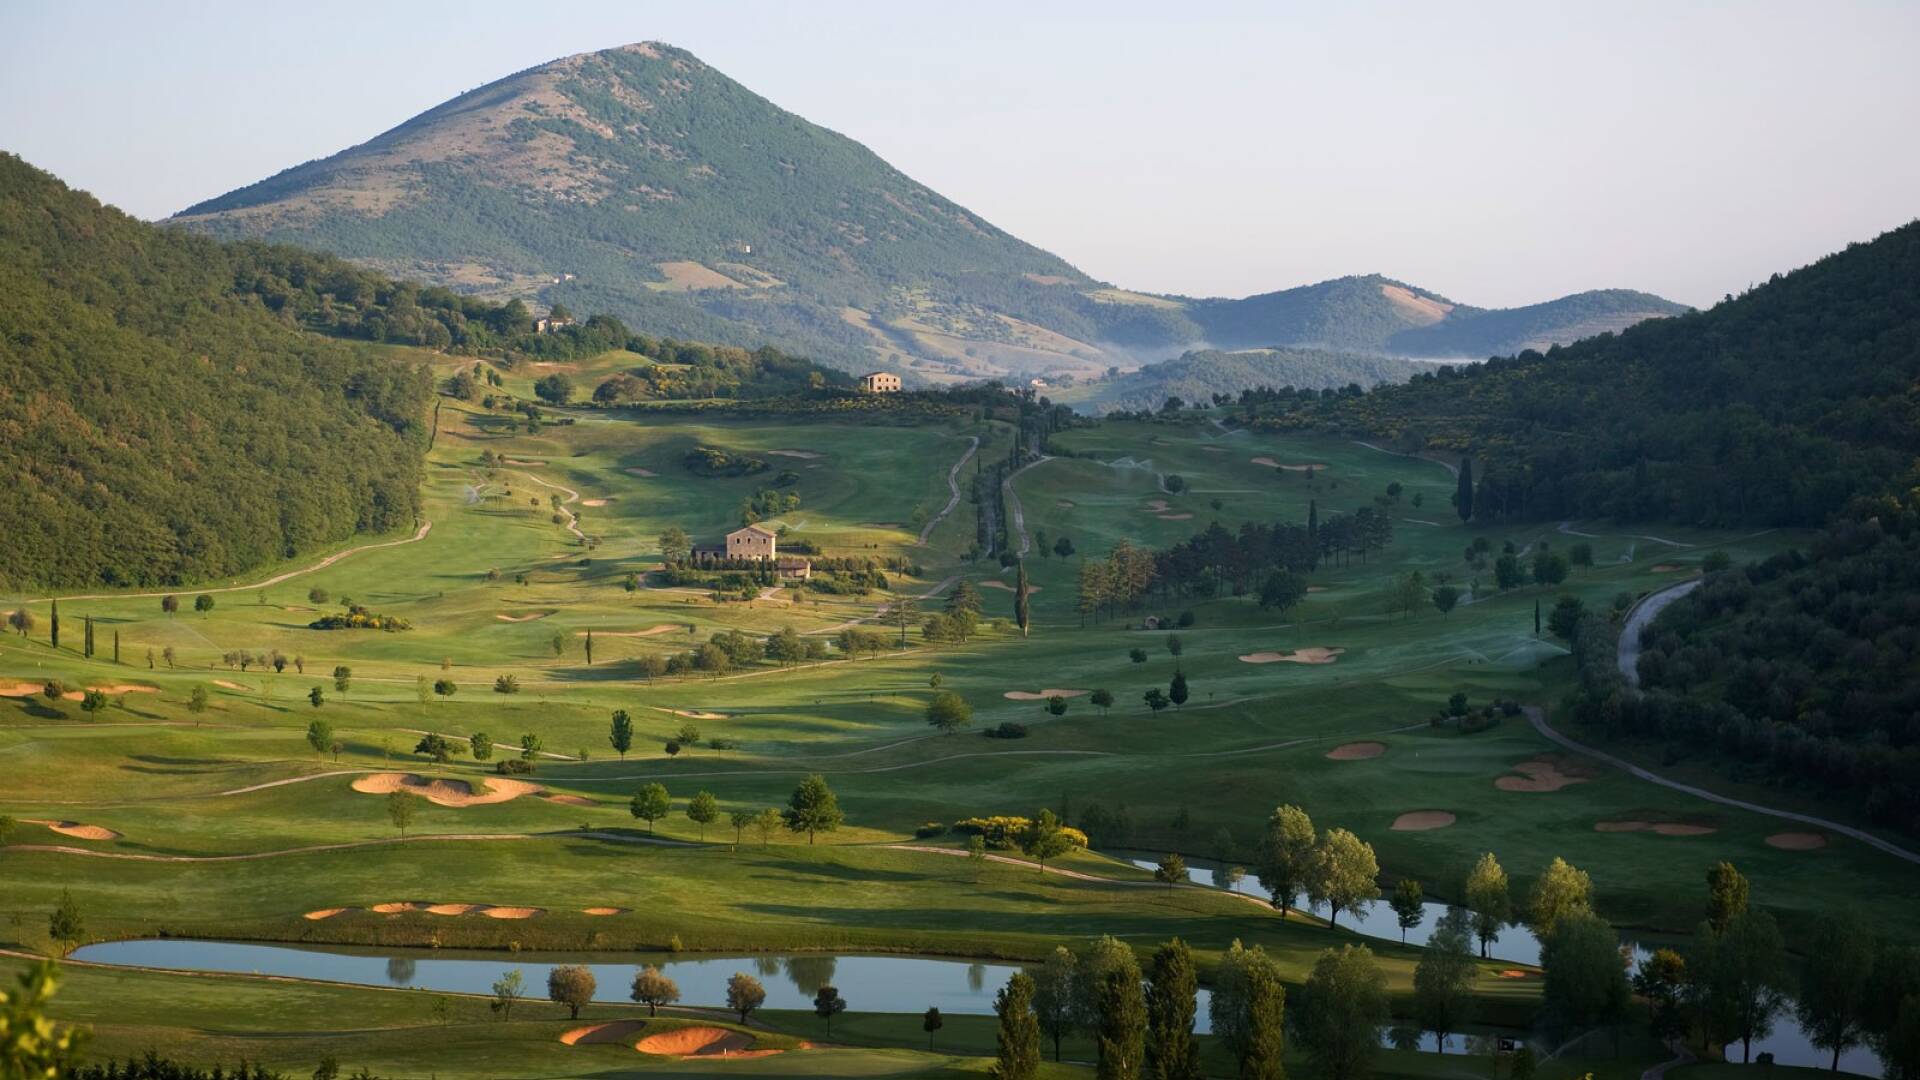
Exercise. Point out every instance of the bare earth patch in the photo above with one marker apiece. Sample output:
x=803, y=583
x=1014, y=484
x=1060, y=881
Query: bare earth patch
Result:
x=1176, y=517
x=1315, y=654
x=1422, y=820
x=1357, y=751
x=700, y=1042
x=569, y=800
x=1042, y=695
x=618, y=1031
x=595, y=502
x=1065, y=504
x=522, y=464
x=1542, y=774
x=604, y=911
x=454, y=793
x=1157, y=506
x=230, y=685
x=1658, y=828
x=1797, y=841
x=651, y=631
x=806, y=454
x=637, y=471
x=504, y=617
x=1003, y=586
x=77, y=830
x=1668, y=568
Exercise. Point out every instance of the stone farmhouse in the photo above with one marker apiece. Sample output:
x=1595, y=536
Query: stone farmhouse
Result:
x=880, y=382
x=757, y=543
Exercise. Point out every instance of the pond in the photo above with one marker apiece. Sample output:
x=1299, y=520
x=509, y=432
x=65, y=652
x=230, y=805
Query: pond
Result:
x=1788, y=1044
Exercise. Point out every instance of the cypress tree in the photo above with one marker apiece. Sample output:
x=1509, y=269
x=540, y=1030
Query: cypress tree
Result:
x=116, y=646
x=1022, y=614
x=1122, y=1021
x=86, y=636
x=54, y=625
x=1171, y=988
x=1313, y=533
x=1463, y=497
x=1265, y=1036
x=1017, y=1054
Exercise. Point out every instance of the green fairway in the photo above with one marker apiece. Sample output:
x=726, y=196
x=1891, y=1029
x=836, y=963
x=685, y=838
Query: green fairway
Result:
x=225, y=823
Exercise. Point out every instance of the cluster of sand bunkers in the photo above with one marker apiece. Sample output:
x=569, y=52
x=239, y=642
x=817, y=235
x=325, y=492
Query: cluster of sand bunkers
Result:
x=1312, y=654
x=695, y=1042
x=31, y=689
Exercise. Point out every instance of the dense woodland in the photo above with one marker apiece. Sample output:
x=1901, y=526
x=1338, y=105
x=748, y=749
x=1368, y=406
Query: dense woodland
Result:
x=159, y=425
x=1201, y=374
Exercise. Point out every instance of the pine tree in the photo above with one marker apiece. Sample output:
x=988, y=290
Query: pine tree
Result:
x=1463, y=497
x=1122, y=1021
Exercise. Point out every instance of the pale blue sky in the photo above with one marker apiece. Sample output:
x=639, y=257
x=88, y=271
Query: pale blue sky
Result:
x=1498, y=153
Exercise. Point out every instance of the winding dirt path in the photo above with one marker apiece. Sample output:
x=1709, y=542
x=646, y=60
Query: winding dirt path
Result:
x=953, y=485
x=419, y=534
x=1538, y=718
x=1454, y=470
x=573, y=519
x=879, y=613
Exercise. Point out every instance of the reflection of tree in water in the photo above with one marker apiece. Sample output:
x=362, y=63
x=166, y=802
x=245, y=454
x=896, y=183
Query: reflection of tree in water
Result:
x=399, y=970
x=767, y=965
x=1404, y=1038
x=976, y=977
x=810, y=973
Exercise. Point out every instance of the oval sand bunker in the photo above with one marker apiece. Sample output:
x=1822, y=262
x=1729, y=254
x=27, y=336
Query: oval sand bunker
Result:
x=1042, y=695
x=445, y=792
x=1422, y=820
x=1315, y=654
x=1357, y=751
x=79, y=831
x=1797, y=841
x=700, y=1042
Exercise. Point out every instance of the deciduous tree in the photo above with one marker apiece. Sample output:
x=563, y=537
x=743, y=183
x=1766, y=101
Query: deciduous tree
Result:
x=653, y=989
x=571, y=985
x=650, y=804
x=813, y=808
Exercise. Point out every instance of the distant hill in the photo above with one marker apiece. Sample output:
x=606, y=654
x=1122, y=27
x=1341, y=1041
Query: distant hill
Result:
x=640, y=182
x=1775, y=408
x=1197, y=376
x=161, y=425
x=1377, y=314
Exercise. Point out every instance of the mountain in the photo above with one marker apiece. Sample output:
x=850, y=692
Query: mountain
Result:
x=1198, y=375
x=642, y=183
x=1377, y=314
x=159, y=425
x=1774, y=408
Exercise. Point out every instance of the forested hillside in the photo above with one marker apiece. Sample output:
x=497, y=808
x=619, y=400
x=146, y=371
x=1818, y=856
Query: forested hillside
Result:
x=1775, y=408
x=159, y=424
x=1479, y=334
x=1197, y=376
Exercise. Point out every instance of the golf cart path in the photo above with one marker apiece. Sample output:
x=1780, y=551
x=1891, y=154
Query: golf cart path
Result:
x=573, y=519
x=1014, y=508
x=953, y=485
x=1638, y=616
x=1454, y=470
x=1539, y=720
x=879, y=613
x=419, y=534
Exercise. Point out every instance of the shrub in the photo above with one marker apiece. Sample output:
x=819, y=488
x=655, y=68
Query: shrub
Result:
x=513, y=767
x=1003, y=831
x=930, y=828
x=1006, y=730
x=357, y=617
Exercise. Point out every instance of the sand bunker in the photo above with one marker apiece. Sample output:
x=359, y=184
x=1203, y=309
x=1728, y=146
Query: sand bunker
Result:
x=1266, y=462
x=1668, y=568
x=651, y=631
x=1213, y=450
x=1357, y=751
x=1066, y=504
x=595, y=502
x=1157, y=506
x=1659, y=828
x=604, y=911
x=1030, y=695
x=117, y=688
x=700, y=1042
x=22, y=689
x=1540, y=775
x=445, y=792
x=618, y=1031
x=512, y=912
x=1003, y=586
x=1176, y=517
x=504, y=617
x=1514, y=973
x=1313, y=655
x=327, y=913
x=1796, y=841
x=231, y=685
x=398, y=906
x=1422, y=820
x=692, y=714
x=569, y=800
x=522, y=464
x=77, y=830
x=643, y=472
x=1304, y=466
x=452, y=909
x=808, y=454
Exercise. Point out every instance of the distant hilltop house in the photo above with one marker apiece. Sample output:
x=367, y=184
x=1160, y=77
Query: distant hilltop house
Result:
x=757, y=543
x=880, y=382
x=550, y=324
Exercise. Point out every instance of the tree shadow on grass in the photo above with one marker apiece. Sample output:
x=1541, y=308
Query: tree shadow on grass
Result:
x=839, y=872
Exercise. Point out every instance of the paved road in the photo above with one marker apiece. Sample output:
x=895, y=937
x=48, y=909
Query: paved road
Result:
x=1539, y=721
x=1638, y=617
x=953, y=485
